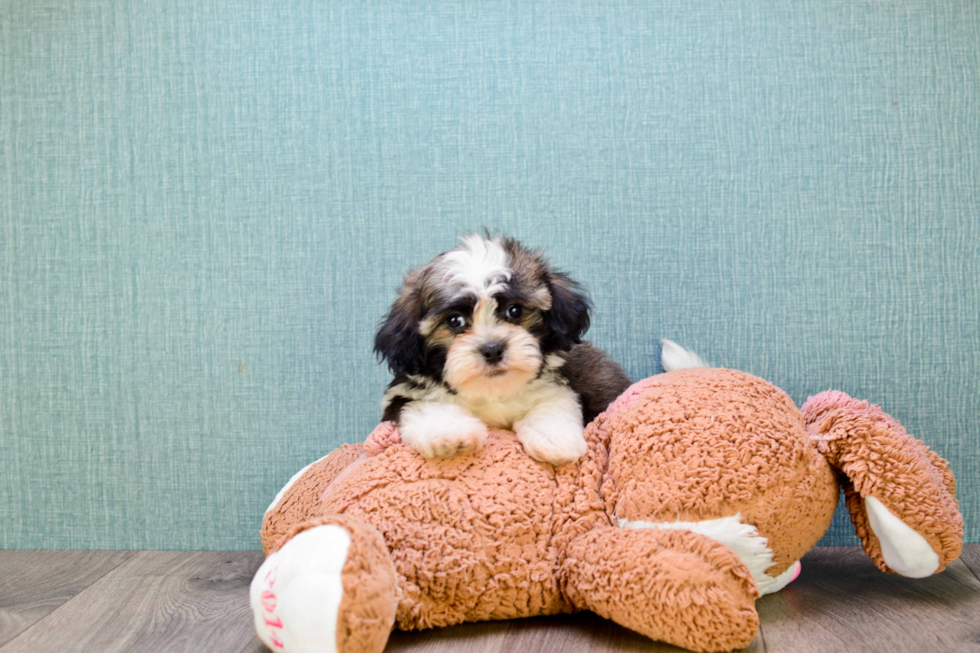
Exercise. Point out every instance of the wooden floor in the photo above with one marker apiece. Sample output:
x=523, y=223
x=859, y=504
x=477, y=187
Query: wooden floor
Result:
x=107, y=601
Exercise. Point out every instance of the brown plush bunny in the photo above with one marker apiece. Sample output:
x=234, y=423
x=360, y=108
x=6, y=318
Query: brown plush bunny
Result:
x=701, y=490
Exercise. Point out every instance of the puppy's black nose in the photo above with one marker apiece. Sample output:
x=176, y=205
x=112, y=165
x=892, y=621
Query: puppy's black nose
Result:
x=493, y=352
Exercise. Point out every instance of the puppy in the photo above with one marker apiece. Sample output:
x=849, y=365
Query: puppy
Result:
x=488, y=334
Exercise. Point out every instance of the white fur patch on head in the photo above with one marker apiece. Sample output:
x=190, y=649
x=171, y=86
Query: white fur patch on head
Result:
x=743, y=539
x=479, y=264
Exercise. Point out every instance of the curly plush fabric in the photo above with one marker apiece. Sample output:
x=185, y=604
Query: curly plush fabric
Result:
x=697, y=581
x=720, y=482
x=301, y=500
x=383, y=436
x=367, y=610
x=470, y=536
x=700, y=444
x=879, y=459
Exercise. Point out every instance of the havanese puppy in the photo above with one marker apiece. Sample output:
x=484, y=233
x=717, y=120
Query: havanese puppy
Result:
x=488, y=334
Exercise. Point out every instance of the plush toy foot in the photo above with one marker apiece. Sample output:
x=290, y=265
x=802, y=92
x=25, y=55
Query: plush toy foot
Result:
x=741, y=538
x=329, y=588
x=901, y=495
x=674, y=586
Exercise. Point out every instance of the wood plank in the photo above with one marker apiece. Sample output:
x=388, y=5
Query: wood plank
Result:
x=170, y=601
x=255, y=646
x=795, y=619
x=585, y=631
x=570, y=633
x=842, y=602
x=481, y=637
x=971, y=558
x=155, y=601
x=34, y=583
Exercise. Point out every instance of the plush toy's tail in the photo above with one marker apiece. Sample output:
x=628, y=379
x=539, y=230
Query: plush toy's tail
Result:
x=901, y=495
x=674, y=357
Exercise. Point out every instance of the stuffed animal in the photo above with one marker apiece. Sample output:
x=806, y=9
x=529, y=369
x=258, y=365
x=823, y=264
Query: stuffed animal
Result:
x=700, y=491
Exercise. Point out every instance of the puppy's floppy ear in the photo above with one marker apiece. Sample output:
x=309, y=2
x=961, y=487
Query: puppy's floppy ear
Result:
x=398, y=341
x=568, y=317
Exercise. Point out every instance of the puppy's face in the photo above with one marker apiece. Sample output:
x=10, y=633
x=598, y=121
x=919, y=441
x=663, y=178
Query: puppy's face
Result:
x=482, y=318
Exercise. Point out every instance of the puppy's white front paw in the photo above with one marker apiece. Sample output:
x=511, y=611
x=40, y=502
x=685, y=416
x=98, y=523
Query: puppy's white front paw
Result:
x=555, y=443
x=441, y=430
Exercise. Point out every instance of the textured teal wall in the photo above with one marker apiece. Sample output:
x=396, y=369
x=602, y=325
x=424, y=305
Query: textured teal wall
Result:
x=205, y=208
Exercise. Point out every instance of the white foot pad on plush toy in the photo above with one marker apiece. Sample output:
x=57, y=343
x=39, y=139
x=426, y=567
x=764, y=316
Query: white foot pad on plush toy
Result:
x=906, y=552
x=297, y=591
x=744, y=541
x=782, y=580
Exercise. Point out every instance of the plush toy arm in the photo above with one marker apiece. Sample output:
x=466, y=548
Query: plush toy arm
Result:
x=901, y=495
x=673, y=586
x=384, y=435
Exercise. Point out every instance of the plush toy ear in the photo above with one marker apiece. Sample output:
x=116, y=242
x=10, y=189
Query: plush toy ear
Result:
x=568, y=317
x=398, y=341
x=901, y=495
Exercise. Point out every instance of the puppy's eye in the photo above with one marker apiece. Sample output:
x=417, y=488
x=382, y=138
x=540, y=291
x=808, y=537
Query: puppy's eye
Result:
x=515, y=312
x=456, y=321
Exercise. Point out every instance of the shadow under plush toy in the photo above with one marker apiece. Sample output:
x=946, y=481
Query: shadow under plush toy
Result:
x=701, y=489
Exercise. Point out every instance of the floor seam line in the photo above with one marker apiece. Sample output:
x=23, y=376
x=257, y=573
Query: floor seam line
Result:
x=72, y=598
